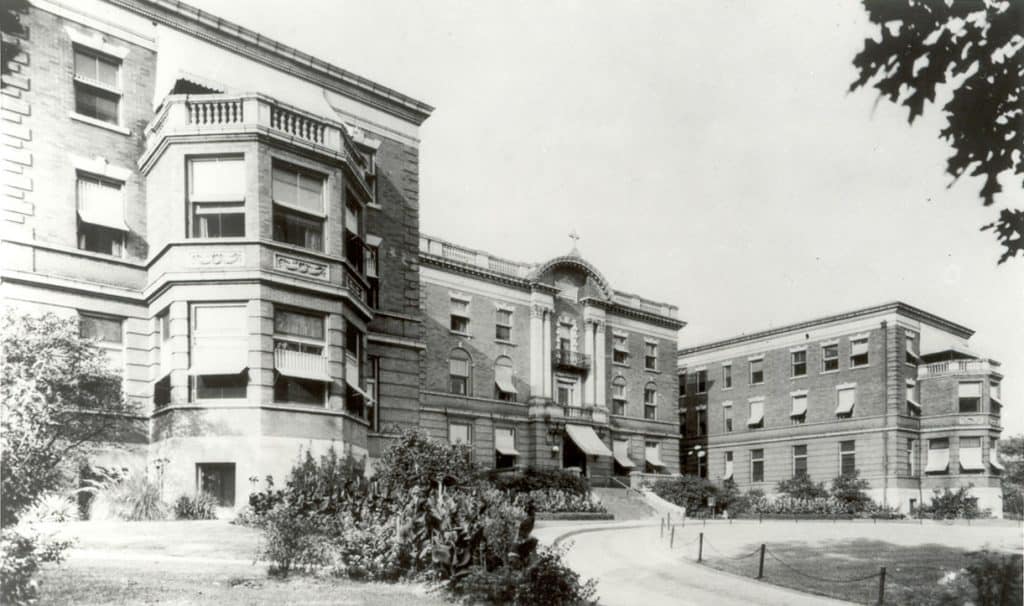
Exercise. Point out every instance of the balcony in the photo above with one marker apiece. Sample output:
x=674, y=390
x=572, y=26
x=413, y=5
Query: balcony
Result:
x=955, y=367
x=182, y=115
x=301, y=364
x=573, y=360
x=587, y=413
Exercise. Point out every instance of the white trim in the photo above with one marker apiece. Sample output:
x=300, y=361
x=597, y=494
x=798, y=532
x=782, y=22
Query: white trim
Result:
x=97, y=24
x=798, y=348
x=373, y=241
x=799, y=392
x=756, y=399
x=755, y=357
x=861, y=335
x=727, y=403
x=651, y=340
x=846, y=386
x=100, y=167
x=95, y=42
x=823, y=344
x=505, y=307
x=620, y=333
x=100, y=123
x=700, y=368
x=460, y=296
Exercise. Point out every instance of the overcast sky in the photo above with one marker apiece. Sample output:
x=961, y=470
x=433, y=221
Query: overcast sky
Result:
x=707, y=152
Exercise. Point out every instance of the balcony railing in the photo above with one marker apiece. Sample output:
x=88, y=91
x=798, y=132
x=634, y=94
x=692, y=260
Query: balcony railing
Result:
x=206, y=114
x=566, y=358
x=954, y=367
x=308, y=364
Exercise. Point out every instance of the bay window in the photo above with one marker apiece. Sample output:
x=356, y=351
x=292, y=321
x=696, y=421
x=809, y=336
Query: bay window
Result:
x=216, y=193
x=298, y=206
x=219, y=351
x=299, y=342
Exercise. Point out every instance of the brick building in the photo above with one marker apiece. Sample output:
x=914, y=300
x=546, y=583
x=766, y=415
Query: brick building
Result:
x=891, y=391
x=237, y=223
x=546, y=365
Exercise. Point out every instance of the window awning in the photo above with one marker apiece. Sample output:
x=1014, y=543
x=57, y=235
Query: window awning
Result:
x=970, y=459
x=799, y=406
x=728, y=471
x=587, y=440
x=756, y=413
x=914, y=403
x=653, y=456
x=300, y=365
x=938, y=460
x=993, y=459
x=846, y=401
x=103, y=216
x=505, y=385
x=621, y=448
x=361, y=392
x=505, y=442
x=213, y=360
x=101, y=204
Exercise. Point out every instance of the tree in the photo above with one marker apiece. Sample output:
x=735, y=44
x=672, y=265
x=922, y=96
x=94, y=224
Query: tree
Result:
x=973, y=48
x=848, y=489
x=1011, y=451
x=60, y=396
x=801, y=487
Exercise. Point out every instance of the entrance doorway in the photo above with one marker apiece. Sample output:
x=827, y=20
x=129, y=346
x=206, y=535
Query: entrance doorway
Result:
x=572, y=456
x=218, y=481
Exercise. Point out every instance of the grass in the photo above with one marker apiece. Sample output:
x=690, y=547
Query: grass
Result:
x=912, y=572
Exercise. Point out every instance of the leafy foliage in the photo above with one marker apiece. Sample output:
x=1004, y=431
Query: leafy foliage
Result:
x=51, y=507
x=1011, y=453
x=691, y=492
x=542, y=479
x=849, y=489
x=416, y=460
x=996, y=578
x=554, y=500
x=23, y=551
x=974, y=49
x=200, y=507
x=60, y=395
x=130, y=497
x=802, y=487
x=952, y=504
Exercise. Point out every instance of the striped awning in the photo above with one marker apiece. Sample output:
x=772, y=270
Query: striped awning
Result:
x=587, y=440
x=621, y=450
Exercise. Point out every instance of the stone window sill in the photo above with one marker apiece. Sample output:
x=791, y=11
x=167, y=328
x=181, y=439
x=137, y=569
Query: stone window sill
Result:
x=100, y=123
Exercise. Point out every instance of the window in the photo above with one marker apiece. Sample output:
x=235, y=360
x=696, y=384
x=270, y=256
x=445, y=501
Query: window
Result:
x=702, y=381
x=757, y=371
x=503, y=325
x=107, y=332
x=858, y=352
x=913, y=407
x=503, y=379
x=354, y=245
x=727, y=416
x=911, y=347
x=460, y=433
x=969, y=396
x=938, y=456
x=355, y=395
x=756, y=419
x=970, y=454
x=619, y=396
x=652, y=457
x=682, y=422
x=218, y=481
x=219, y=352
x=298, y=207
x=458, y=372
x=995, y=398
x=97, y=85
x=798, y=414
x=830, y=357
x=565, y=336
x=846, y=398
x=505, y=452
x=373, y=276
x=799, y=363
x=299, y=342
x=682, y=384
x=101, y=226
x=799, y=460
x=162, y=392
x=702, y=464
x=373, y=392
x=650, y=401
x=216, y=187
x=460, y=316
x=757, y=465
x=727, y=475
x=847, y=457
x=911, y=456
x=650, y=356
x=620, y=349
x=727, y=376
x=702, y=422
x=566, y=391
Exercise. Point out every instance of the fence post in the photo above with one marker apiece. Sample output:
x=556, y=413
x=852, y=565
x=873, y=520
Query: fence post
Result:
x=760, y=517
x=760, y=564
x=662, y=528
x=672, y=538
x=705, y=520
x=881, y=586
x=700, y=548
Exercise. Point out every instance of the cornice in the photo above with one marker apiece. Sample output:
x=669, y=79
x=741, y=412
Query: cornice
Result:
x=478, y=272
x=254, y=46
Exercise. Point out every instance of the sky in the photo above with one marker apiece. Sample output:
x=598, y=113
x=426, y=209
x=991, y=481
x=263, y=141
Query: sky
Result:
x=707, y=152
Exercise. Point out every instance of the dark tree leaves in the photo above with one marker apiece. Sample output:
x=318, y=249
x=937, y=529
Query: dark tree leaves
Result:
x=975, y=48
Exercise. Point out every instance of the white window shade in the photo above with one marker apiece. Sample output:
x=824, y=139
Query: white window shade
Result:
x=969, y=390
x=799, y=406
x=993, y=459
x=653, y=455
x=845, y=398
x=217, y=179
x=505, y=442
x=728, y=470
x=220, y=340
x=101, y=203
x=756, y=413
x=858, y=347
x=503, y=378
x=458, y=433
x=458, y=367
x=970, y=458
x=351, y=220
x=301, y=365
x=621, y=451
x=938, y=460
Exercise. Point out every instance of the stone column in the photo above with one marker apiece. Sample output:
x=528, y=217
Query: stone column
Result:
x=536, y=351
x=600, y=379
x=588, y=349
x=547, y=353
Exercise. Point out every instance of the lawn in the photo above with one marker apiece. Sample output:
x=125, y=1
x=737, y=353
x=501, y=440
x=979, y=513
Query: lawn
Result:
x=838, y=570
x=193, y=563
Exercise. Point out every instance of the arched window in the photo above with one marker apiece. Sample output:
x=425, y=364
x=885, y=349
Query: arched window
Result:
x=459, y=364
x=650, y=401
x=619, y=395
x=503, y=379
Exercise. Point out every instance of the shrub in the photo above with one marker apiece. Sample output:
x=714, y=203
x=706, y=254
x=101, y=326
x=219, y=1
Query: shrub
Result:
x=416, y=460
x=691, y=492
x=51, y=508
x=294, y=541
x=801, y=487
x=200, y=507
x=23, y=551
x=951, y=504
x=558, y=501
x=996, y=577
x=849, y=489
x=132, y=497
x=543, y=479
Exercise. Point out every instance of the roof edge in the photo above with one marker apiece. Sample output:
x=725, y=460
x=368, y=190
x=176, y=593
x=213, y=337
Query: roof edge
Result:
x=893, y=306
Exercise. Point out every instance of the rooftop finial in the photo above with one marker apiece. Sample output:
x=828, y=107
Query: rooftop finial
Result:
x=575, y=237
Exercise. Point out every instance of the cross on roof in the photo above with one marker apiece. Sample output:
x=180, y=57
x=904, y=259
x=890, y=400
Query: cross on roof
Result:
x=575, y=237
